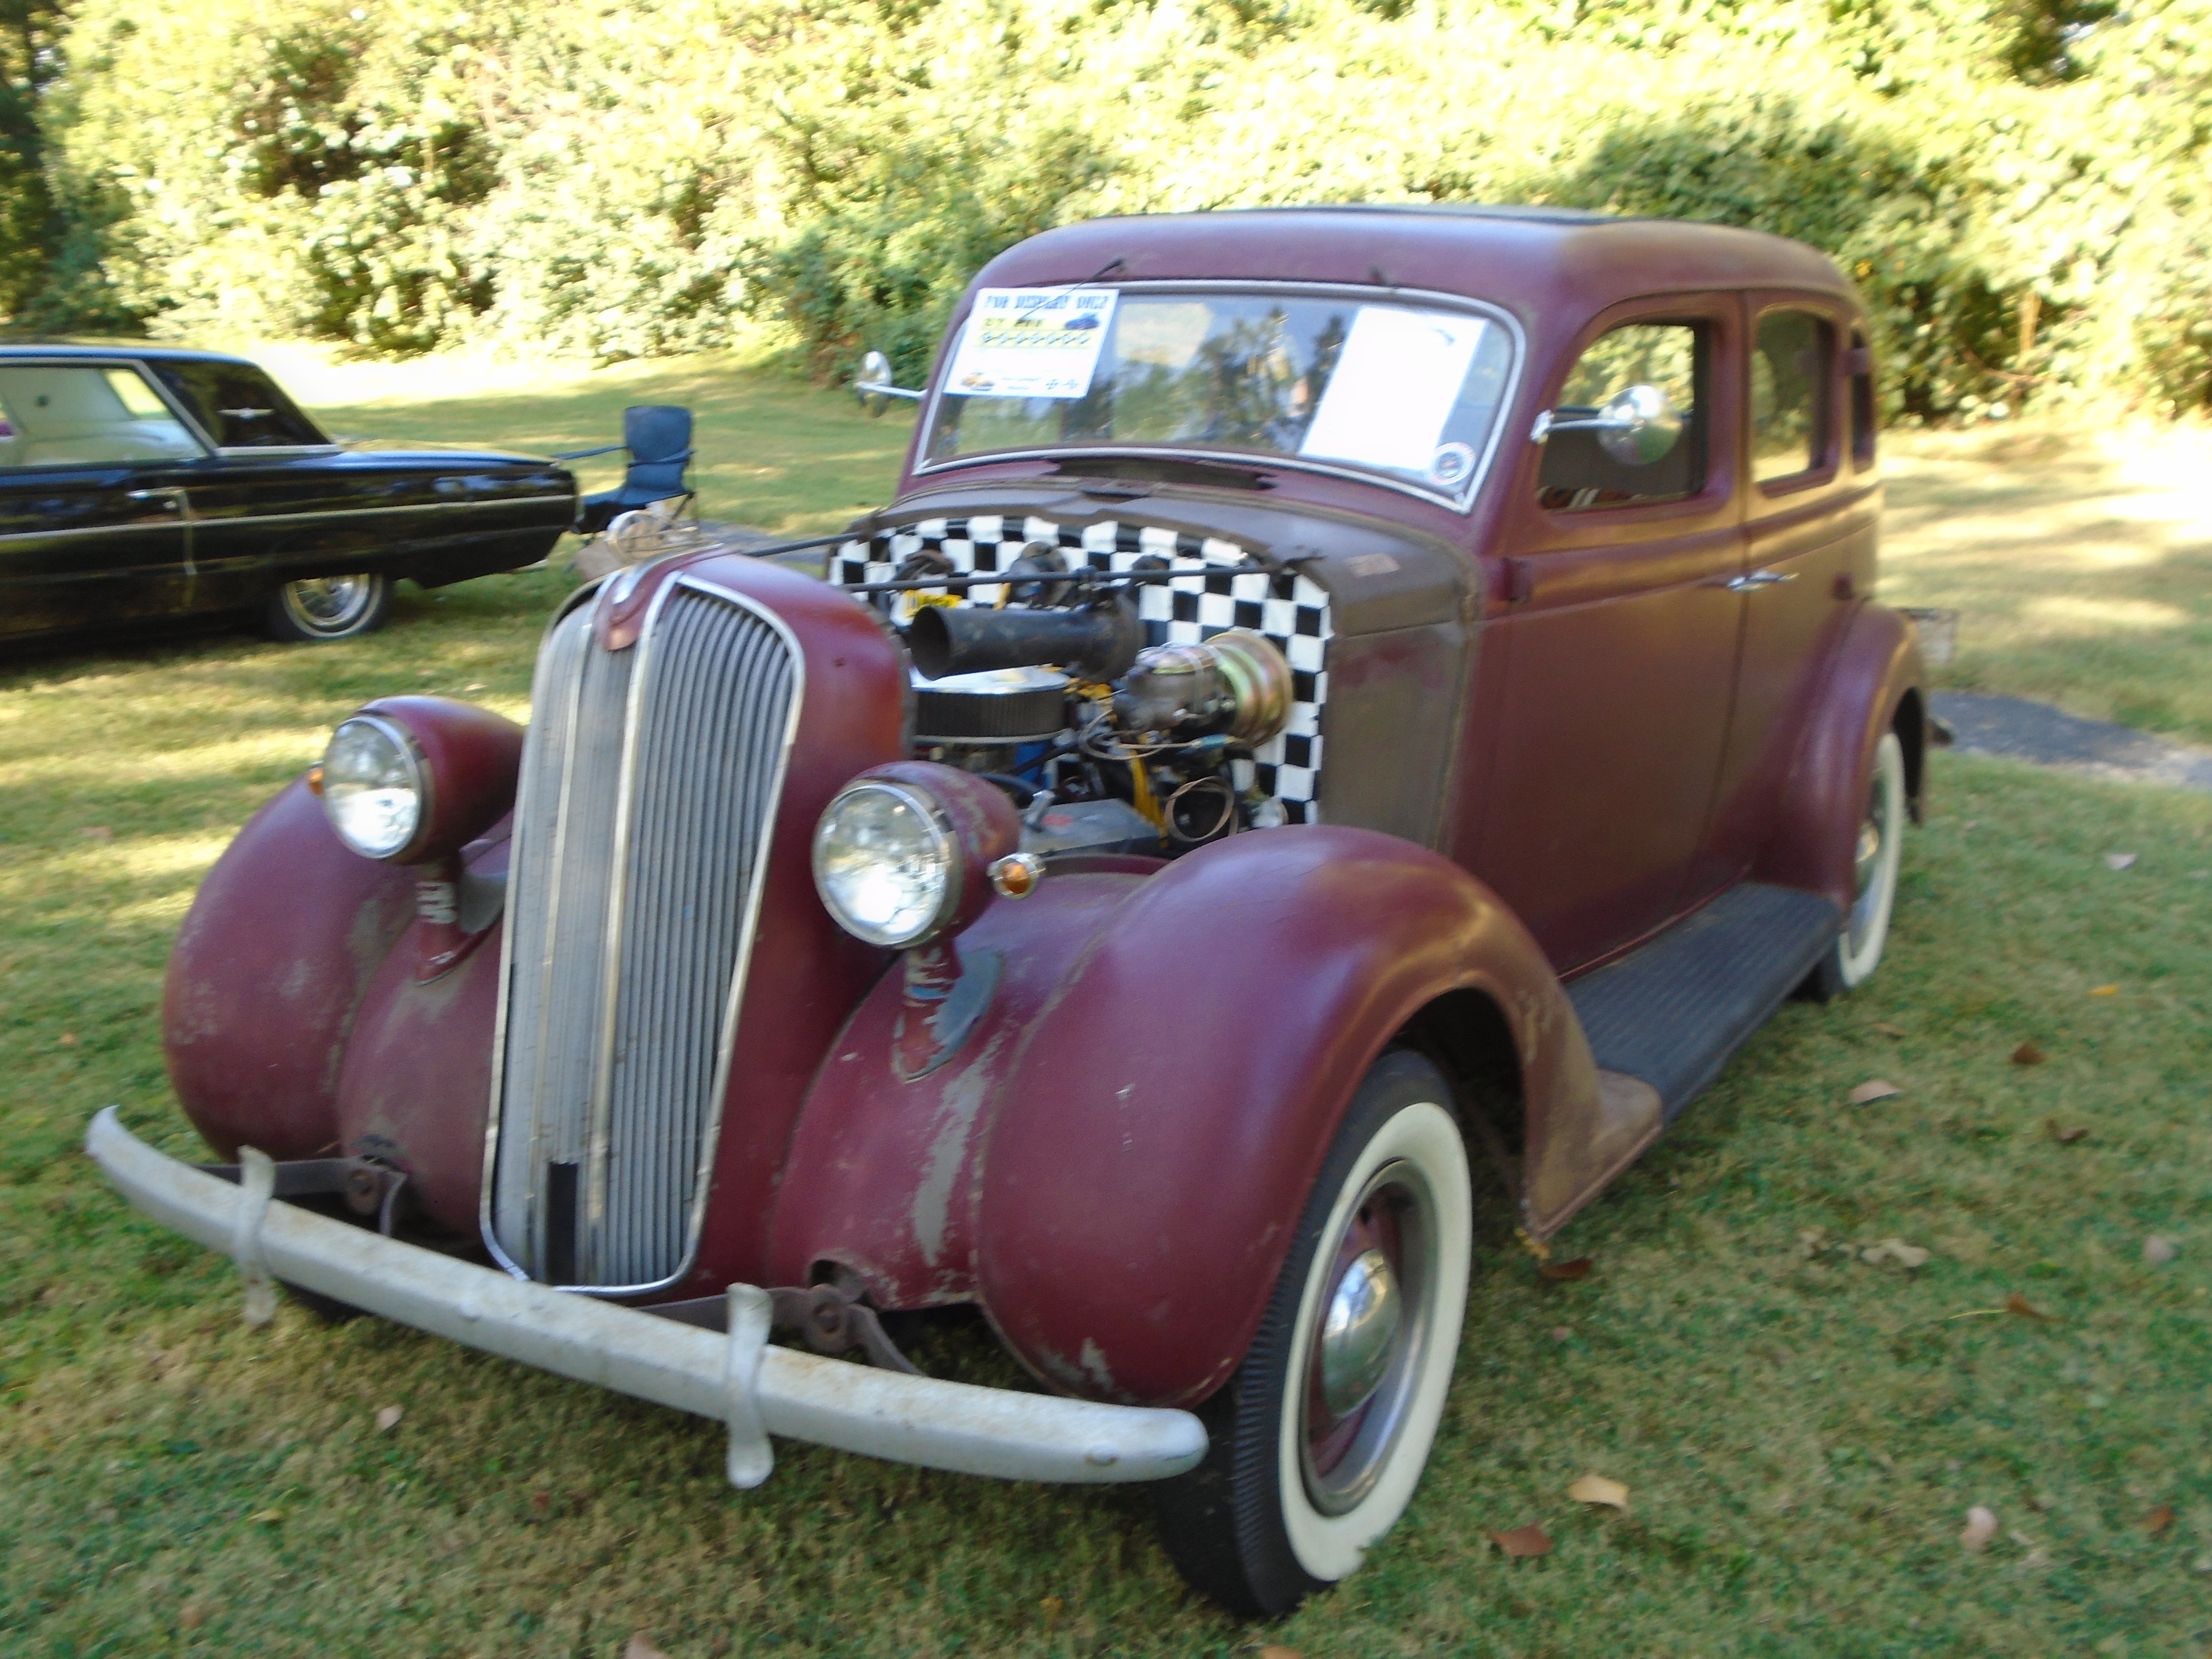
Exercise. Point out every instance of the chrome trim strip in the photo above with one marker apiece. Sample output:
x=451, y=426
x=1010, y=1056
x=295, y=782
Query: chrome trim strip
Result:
x=202, y=519
x=1462, y=503
x=486, y=1224
x=924, y=1420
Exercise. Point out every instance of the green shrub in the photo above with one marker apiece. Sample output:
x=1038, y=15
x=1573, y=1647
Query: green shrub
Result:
x=2019, y=186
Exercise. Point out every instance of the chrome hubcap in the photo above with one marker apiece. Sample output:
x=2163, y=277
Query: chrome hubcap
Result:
x=1371, y=1337
x=1866, y=861
x=1364, y=1313
x=327, y=603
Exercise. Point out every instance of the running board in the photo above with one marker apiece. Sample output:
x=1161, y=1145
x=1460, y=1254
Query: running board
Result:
x=1671, y=1011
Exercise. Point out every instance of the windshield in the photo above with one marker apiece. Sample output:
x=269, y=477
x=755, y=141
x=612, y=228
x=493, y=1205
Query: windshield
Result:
x=1408, y=392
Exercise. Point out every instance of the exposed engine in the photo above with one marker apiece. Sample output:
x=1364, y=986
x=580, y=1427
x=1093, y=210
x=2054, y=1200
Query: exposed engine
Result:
x=1106, y=744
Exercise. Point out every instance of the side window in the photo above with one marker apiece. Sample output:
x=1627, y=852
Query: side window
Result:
x=241, y=406
x=85, y=414
x=1596, y=455
x=1792, y=358
x=1863, y=421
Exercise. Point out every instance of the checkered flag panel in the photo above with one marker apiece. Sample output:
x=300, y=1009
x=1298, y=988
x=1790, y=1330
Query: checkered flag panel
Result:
x=1200, y=598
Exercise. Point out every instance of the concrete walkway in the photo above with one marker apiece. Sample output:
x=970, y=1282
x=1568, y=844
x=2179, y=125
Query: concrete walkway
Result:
x=2022, y=730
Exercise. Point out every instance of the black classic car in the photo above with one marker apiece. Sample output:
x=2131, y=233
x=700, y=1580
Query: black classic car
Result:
x=138, y=484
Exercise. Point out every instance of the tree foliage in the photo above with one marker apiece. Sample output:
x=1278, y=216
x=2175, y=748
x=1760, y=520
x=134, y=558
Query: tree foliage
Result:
x=2019, y=186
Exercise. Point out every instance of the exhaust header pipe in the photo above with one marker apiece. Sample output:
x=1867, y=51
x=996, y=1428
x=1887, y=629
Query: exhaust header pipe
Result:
x=1098, y=642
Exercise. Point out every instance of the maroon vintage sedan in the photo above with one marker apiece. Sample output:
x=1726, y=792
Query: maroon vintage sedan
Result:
x=1340, y=692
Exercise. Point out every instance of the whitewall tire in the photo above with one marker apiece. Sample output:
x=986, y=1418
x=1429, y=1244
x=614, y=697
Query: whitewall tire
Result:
x=1858, y=950
x=1319, y=1439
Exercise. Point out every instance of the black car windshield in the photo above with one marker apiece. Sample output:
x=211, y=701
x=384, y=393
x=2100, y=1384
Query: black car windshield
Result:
x=238, y=405
x=1407, y=391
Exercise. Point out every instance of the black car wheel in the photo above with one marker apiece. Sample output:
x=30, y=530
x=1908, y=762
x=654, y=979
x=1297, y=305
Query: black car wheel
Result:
x=329, y=607
x=1319, y=1437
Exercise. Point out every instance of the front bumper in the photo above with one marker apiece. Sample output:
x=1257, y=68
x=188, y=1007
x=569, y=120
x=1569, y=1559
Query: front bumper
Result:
x=737, y=1379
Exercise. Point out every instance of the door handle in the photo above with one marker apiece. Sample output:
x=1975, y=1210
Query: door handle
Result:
x=1760, y=578
x=168, y=498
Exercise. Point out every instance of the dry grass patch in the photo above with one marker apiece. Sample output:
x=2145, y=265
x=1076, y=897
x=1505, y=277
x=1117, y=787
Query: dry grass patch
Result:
x=2081, y=566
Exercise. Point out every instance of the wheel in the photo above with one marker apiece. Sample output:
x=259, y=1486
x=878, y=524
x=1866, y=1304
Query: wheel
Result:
x=329, y=607
x=1858, y=950
x=1319, y=1439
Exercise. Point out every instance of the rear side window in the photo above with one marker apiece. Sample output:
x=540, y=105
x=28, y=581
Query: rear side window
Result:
x=239, y=405
x=1791, y=361
x=1591, y=459
x=85, y=414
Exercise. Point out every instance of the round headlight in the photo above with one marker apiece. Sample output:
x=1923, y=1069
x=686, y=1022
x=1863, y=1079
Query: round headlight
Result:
x=886, y=865
x=373, y=787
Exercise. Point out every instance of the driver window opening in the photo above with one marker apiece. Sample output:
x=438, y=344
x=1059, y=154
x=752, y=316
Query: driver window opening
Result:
x=1791, y=361
x=1612, y=442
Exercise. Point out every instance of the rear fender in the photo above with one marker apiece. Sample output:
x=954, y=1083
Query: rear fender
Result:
x=1150, y=1147
x=271, y=964
x=1877, y=681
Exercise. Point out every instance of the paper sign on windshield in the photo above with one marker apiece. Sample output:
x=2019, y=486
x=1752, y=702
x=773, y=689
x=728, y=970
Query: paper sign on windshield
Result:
x=1031, y=343
x=1394, y=388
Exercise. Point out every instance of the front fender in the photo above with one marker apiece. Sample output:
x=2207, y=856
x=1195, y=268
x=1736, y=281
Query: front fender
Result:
x=271, y=964
x=1878, y=668
x=1154, y=1138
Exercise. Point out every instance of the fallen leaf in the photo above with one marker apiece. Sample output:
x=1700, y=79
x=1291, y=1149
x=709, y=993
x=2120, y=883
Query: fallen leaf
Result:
x=192, y=1614
x=2065, y=1133
x=2119, y=860
x=1560, y=1332
x=1873, y=1089
x=1897, y=1250
x=1596, y=1489
x=2158, y=1249
x=267, y=1517
x=1981, y=1527
x=2103, y=990
x=387, y=1418
x=641, y=1647
x=2159, y=1519
x=1052, y=1607
x=1276, y=1650
x=68, y=1039
x=1888, y=1029
x=1531, y=1540
x=2017, y=1303
x=1578, y=1269
x=97, y=832
x=2028, y=1054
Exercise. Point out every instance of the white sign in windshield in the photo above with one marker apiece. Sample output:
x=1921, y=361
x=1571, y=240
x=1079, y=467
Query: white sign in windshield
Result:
x=1031, y=343
x=1395, y=384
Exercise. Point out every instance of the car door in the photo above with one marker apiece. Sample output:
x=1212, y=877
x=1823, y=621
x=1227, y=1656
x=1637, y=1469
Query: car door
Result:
x=1620, y=632
x=94, y=519
x=1812, y=505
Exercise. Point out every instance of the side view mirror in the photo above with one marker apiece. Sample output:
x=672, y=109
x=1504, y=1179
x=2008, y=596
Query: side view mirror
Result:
x=872, y=385
x=1636, y=426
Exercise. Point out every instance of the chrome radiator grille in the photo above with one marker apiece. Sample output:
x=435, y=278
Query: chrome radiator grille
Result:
x=649, y=785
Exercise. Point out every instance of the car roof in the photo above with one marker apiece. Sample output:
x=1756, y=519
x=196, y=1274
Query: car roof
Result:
x=1530, y=258
x=110, y=351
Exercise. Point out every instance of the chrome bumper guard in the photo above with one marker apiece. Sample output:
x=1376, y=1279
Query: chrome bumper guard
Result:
x=736, y=1379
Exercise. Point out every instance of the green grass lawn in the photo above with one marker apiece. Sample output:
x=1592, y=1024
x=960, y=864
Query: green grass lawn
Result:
x=1802, y=1430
